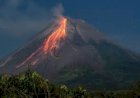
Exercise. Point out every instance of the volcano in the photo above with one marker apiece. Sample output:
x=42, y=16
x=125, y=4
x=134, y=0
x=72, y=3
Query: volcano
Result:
x=72, y=52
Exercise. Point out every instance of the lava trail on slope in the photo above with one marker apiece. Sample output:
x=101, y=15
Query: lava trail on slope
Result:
x=51, y=43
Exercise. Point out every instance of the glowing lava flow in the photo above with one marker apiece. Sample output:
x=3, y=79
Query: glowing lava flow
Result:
x=50, y=44
x=53, y=41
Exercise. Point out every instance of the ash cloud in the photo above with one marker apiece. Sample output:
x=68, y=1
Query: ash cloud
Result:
x=58, y=11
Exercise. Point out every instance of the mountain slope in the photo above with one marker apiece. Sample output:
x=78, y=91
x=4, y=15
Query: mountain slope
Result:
x=83, y=57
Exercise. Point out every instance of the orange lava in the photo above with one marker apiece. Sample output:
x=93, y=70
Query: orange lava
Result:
x=53, y=41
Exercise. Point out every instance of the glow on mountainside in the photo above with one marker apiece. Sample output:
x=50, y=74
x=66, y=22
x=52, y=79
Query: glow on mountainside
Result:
x=53, y=41
x=50, y=44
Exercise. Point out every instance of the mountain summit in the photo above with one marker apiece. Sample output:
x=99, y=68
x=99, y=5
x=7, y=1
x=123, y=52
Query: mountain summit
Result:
x=73, y=52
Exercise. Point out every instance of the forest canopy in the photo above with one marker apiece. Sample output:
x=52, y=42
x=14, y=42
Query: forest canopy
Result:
x=32, y=85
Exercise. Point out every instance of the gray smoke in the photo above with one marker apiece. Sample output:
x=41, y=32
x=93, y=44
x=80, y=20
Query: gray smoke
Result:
x=58, y=11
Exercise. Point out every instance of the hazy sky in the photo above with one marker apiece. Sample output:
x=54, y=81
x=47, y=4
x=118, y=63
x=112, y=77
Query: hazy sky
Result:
x=21, y=19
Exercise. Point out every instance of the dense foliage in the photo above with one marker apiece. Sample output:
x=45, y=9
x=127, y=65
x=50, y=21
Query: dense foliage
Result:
x=32, y=85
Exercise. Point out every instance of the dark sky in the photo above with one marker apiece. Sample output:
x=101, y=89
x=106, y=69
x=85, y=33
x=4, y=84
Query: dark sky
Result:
x=21, y=19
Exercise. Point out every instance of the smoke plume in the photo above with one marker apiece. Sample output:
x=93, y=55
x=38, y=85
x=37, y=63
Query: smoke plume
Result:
x=58, y=11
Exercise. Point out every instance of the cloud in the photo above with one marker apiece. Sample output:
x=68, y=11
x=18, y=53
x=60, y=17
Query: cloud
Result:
x=19, y=17
x=15, y=2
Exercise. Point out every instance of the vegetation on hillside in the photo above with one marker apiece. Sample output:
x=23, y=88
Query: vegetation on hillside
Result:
x=31, y=85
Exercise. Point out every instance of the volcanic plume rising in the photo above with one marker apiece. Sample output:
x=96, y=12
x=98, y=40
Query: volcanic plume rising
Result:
x=51, y=44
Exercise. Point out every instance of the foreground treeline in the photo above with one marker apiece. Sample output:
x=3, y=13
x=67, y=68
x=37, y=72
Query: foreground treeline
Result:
x=32, y=85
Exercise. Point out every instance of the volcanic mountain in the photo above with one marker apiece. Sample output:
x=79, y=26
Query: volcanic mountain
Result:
x=73, y=52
